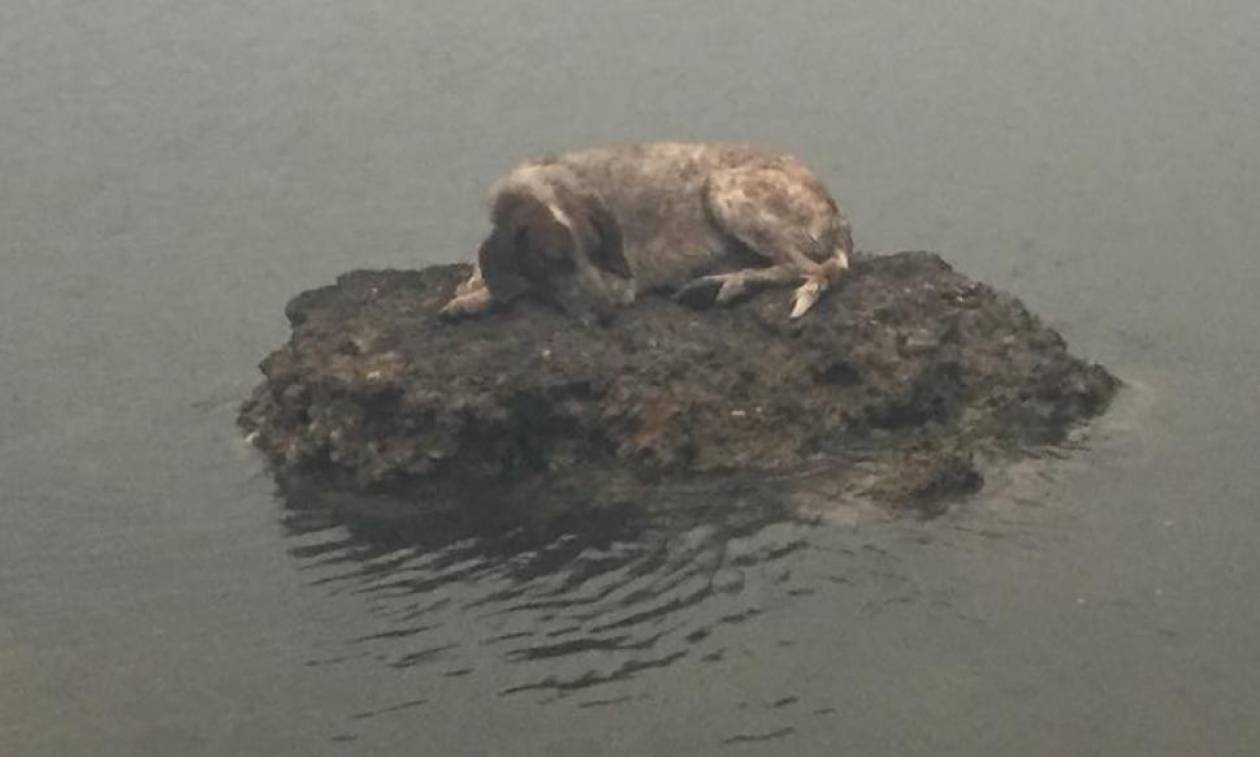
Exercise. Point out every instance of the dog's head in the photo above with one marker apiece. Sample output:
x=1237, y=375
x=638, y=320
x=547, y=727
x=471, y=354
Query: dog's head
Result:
x=566, y=252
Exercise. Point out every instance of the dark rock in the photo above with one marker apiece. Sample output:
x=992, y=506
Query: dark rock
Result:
x=890, y=383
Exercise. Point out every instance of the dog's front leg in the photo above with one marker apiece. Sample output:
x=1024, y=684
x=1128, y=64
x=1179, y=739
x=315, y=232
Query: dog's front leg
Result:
x=467, y=305
x=472, y=298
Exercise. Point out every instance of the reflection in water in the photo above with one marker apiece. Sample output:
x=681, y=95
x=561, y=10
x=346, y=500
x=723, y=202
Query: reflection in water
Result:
x=576, y=600
x=592, y=604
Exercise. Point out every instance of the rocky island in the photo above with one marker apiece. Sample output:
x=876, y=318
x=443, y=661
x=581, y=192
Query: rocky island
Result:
x=891, y=387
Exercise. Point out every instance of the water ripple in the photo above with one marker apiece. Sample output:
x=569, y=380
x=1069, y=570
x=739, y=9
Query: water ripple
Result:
x=575, y=601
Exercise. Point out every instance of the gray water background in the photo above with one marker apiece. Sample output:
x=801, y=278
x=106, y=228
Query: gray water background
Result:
x=170, y=173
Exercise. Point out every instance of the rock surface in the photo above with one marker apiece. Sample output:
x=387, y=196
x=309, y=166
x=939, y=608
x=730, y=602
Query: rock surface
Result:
x=892, y=384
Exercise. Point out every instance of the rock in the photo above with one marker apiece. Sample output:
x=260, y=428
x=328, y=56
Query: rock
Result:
x=891, y=384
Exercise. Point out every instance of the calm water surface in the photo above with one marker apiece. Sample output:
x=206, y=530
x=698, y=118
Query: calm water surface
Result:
x=170, y=173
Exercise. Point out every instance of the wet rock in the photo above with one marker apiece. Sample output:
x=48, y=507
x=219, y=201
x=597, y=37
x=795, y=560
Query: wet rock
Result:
x=891, y=384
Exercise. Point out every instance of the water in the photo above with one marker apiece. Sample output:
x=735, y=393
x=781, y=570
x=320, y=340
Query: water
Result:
x=171, y=173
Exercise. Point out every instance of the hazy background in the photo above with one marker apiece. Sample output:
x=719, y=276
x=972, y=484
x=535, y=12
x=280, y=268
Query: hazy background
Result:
x=170, y=173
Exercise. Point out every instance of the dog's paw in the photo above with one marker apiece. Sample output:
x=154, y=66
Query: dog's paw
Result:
x=805, y=297
x=734, y=288
x=466, y=306
x=699, y=293
x=719, y=289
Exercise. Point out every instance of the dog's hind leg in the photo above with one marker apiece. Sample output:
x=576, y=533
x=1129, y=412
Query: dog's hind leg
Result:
x=736, y=285
x=788, y=220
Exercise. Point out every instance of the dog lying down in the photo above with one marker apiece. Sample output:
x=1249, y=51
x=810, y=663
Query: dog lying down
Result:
x=591, y=230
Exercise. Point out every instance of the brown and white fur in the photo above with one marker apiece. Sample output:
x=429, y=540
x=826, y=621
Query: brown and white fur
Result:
x=596, y=228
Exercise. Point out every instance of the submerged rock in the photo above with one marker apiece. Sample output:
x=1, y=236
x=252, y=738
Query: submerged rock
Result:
x=891, y=384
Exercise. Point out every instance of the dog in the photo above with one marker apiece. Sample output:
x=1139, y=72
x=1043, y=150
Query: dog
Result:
x=595, y=229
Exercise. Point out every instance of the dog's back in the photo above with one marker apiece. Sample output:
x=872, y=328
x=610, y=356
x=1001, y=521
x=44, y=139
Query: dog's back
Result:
x=656, y=193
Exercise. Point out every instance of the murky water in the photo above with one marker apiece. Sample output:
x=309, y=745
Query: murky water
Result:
x=171, y=173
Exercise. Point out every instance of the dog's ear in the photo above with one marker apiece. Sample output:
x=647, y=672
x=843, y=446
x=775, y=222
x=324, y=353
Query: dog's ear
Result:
x=606, y=251
x=528, y=249
x=501, y=265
